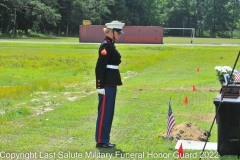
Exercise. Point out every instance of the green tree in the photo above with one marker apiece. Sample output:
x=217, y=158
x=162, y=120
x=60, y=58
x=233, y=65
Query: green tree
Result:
x=72, y=13
x=217, y=17
x=78, y=14
x=233, y=8
x=5, y=16
x=18, y=6
x=117, y=12
x=180, y=15
x=96, y=9
x=210, y=18
x=135, y=12
x=199, y=17
x=44, y=16
x=158, y=12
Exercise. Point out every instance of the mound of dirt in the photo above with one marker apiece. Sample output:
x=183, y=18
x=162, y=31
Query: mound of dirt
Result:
x=186, y=131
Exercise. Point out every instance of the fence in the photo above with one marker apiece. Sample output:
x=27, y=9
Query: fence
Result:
x=132, y=34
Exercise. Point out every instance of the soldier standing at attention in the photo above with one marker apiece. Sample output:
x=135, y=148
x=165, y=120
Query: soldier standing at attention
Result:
x=107, y=79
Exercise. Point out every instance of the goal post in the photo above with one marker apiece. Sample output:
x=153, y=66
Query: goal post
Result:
x=192, y=31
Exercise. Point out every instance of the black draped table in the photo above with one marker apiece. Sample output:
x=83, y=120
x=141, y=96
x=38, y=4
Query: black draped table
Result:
x=228, y=121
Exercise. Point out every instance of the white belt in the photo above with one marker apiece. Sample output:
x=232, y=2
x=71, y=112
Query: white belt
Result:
x=112, y=66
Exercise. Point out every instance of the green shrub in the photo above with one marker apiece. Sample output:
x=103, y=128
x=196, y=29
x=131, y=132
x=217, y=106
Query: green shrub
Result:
x=35, y=34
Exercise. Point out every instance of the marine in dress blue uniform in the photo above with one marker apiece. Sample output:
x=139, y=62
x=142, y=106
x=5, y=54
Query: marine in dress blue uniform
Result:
x=107, y=79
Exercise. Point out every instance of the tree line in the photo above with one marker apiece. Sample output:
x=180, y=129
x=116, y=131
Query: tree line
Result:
x=210, y=18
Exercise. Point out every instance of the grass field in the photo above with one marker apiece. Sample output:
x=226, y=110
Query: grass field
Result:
x=48, y=103
x=179, y=40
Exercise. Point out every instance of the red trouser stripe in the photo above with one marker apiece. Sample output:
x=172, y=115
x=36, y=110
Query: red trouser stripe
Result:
x=101, y=119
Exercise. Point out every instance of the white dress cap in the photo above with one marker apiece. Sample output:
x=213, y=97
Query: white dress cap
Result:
x=115, y=24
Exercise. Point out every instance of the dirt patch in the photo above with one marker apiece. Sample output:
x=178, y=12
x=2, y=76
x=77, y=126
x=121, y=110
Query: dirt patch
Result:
x=42, y=111
x=186, y=131
x=72, y=98
x=2, y=112
x=39, y=93
x=130, y=74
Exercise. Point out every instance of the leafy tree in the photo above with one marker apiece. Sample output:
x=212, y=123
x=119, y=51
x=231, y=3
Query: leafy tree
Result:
x=77, y=16
x=199, y=17
x=117, y=12
x=65, y=9
x=134, y=16
x=216, y=17
x=5, y=16
x=158, y=12
x=181, y=15
x=17, y=6
x=44, y=16
x=96, y=9
x=233, y=8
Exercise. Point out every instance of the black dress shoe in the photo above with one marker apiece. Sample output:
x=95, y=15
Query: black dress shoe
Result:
x=105, y=145
x=112, y=144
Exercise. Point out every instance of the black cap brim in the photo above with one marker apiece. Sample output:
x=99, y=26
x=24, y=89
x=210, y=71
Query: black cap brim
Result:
x=120, y=31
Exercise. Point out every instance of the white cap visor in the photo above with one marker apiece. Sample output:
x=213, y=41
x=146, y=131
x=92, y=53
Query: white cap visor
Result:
x=115, y=25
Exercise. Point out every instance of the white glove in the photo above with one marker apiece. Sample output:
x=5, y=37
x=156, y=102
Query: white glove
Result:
x=101, y=91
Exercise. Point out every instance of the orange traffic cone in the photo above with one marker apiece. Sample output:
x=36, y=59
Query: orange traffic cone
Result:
x=186, y=100
x=194, y=88
x=198, y=69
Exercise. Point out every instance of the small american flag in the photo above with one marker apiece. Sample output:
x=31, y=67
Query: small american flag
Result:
x=171, y=120
x=237, y=77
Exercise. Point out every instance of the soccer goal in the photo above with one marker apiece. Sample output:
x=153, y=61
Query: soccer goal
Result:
x=191, y=29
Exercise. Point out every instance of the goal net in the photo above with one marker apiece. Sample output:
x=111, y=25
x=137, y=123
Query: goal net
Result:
x=192, y=32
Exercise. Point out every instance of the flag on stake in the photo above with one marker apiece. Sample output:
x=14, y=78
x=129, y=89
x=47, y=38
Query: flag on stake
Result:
x=237, y=77
x=186, y=100
x=180, y=151
x=198, y=69
x=194, y=88
x=171, y=120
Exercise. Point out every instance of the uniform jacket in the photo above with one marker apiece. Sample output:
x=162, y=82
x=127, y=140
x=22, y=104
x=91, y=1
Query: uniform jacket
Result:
x=107, y=55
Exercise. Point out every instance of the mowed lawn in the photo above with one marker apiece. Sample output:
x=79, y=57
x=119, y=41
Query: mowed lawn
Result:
x=48, y=103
